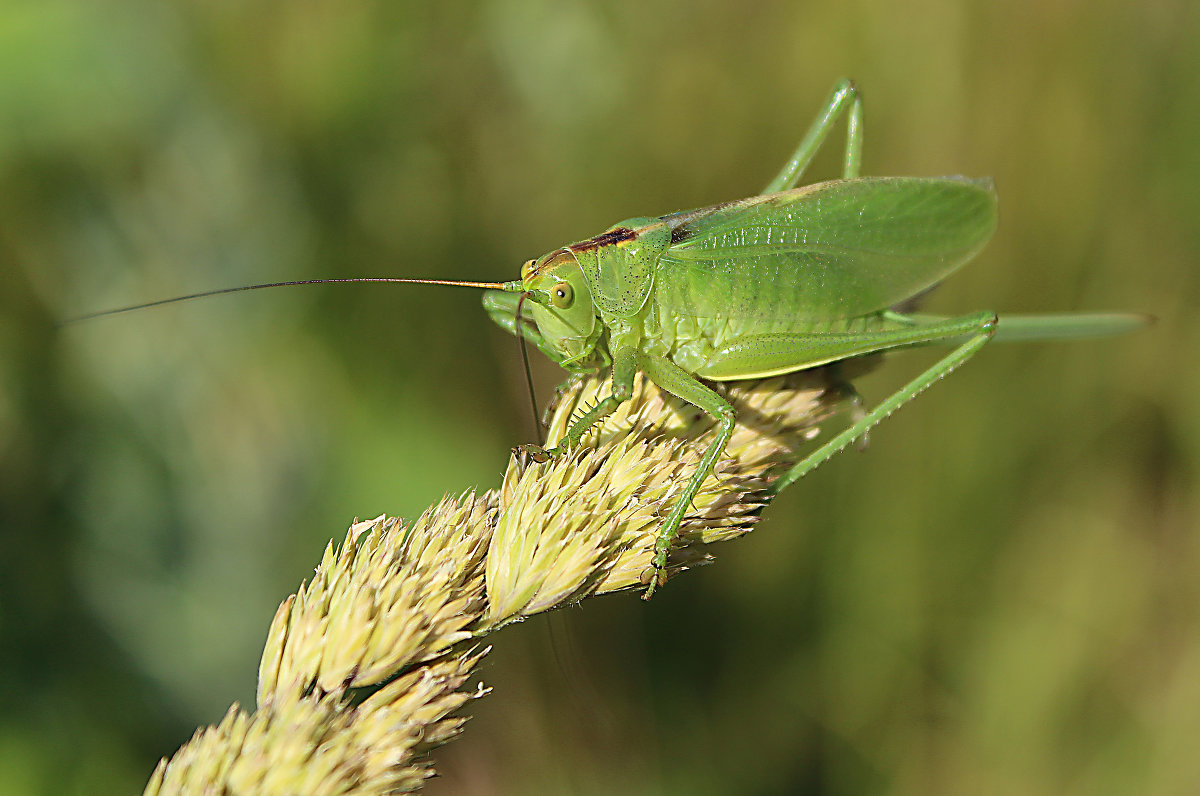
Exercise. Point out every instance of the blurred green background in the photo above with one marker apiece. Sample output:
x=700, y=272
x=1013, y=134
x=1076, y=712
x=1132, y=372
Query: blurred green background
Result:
x=1001, y=595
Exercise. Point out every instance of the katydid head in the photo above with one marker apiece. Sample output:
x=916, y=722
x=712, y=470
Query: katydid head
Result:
x=560, y=305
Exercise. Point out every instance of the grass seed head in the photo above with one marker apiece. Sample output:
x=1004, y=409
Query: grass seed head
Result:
x=393, y=607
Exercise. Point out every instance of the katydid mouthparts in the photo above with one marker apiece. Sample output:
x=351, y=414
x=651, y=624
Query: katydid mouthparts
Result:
x=790, y=279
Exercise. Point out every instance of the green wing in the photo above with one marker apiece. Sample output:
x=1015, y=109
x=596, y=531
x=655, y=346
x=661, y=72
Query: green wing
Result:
x=827, y=251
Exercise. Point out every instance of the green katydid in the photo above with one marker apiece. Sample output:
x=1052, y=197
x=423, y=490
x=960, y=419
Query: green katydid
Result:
x=794, y=278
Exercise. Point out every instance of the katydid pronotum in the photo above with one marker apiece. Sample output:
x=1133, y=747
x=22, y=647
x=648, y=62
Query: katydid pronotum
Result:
x=790, y=279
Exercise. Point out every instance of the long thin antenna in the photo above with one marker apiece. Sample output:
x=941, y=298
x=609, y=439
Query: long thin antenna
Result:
x=537, y=423
x=510, y=287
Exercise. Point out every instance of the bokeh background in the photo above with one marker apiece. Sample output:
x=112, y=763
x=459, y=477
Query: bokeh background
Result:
x=1001, y=595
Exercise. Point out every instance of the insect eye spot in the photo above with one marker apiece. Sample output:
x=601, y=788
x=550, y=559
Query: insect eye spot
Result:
x=562, y=296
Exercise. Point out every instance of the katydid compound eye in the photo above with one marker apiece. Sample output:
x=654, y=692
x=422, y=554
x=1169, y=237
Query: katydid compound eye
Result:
x=562, y=296
x=527, y=269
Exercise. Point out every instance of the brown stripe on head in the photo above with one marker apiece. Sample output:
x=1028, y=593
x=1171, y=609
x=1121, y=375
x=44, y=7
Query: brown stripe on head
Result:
x=610, y=238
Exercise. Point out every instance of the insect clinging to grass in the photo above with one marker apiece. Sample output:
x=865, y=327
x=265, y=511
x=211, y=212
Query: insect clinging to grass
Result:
x=790, y=279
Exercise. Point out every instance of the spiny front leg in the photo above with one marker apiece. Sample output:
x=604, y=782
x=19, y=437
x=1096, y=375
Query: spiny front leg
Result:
x=625, y=368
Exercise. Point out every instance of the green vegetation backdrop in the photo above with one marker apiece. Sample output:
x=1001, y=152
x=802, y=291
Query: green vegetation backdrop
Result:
x=1001, y=595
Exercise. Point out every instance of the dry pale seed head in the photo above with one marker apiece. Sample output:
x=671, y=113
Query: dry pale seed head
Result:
x=327, y=744
x=390, y=596
x=562, y=522
x=587, y=522
x=398, y=601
